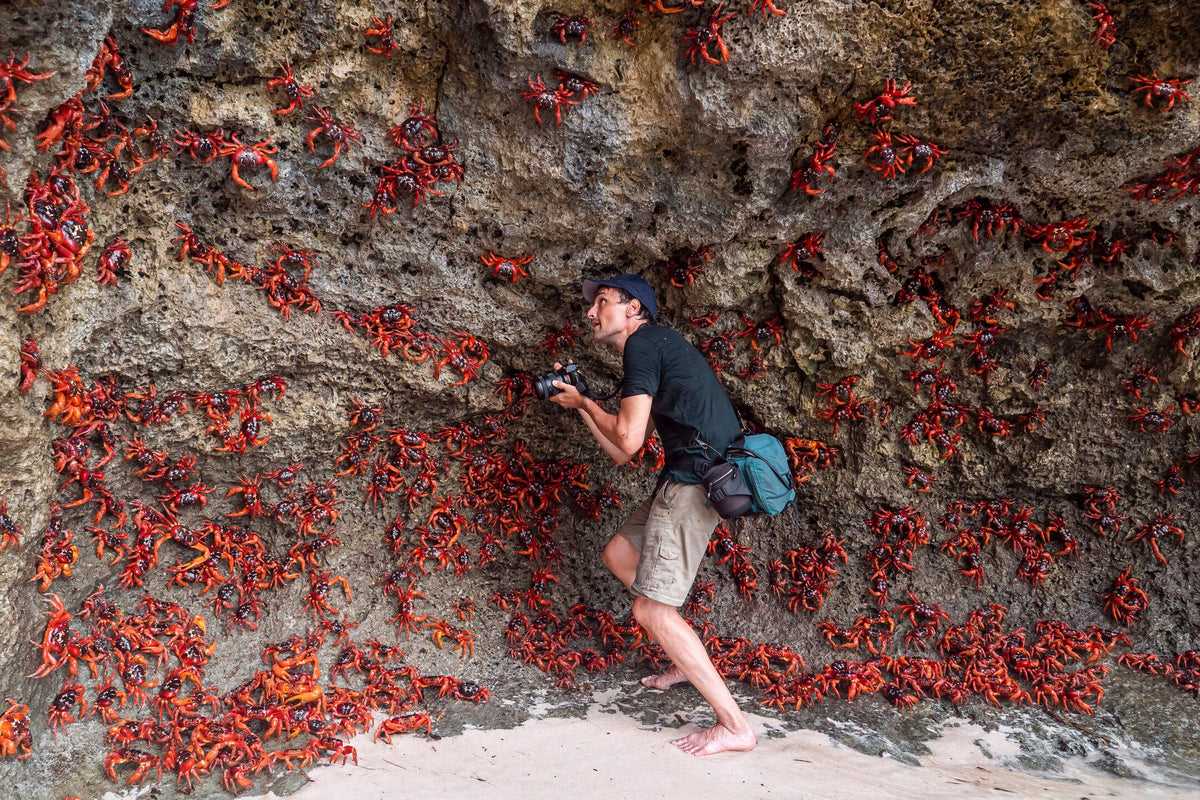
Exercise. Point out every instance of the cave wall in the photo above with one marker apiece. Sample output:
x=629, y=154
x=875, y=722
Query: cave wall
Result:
x=671, y=155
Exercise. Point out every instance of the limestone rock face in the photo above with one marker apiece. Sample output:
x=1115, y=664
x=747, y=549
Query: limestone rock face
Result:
x=671, y=161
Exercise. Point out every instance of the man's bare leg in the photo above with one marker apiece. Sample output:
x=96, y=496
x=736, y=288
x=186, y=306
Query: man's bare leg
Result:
x=681, y=644
x=621, y=558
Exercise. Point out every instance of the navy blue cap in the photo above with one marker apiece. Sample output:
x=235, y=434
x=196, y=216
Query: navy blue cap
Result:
x=635, y=285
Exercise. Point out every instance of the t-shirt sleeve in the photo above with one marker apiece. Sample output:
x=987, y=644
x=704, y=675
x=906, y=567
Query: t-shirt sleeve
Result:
x=643, y=368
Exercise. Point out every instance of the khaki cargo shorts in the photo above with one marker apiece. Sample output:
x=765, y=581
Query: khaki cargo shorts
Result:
x=671, y=529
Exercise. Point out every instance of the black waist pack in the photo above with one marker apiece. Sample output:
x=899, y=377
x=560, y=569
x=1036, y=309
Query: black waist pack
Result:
x=727, y=490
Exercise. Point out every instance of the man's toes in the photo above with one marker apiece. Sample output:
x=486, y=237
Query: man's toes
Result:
x=687, y=744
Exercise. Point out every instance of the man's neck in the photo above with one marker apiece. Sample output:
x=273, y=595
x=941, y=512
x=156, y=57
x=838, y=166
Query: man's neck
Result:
x=629, y=331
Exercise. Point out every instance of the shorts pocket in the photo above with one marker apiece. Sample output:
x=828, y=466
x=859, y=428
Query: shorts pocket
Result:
x=669, y=554
x=664, y=575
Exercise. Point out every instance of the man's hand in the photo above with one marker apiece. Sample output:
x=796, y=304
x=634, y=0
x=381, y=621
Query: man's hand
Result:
x=568, y=396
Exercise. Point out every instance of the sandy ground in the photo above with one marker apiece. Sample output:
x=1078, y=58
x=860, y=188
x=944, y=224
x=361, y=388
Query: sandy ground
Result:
x=610, y=755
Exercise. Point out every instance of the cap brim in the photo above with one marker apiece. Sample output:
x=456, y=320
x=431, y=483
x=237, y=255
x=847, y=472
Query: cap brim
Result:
x=590, y=287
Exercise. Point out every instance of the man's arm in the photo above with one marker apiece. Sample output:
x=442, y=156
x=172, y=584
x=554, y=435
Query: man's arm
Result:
x=622, y=434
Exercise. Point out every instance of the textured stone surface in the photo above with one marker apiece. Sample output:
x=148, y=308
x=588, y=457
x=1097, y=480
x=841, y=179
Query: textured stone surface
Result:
x=669, y=155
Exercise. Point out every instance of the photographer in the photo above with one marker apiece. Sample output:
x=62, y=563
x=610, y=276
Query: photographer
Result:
x=668, y=386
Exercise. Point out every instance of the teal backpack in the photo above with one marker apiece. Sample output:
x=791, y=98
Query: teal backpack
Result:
x=764, y=467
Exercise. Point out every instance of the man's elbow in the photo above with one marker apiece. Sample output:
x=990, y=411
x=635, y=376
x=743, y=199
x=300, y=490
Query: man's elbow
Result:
x=630, y=447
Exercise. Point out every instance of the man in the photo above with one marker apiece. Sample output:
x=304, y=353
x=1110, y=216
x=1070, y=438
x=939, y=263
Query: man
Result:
x=668, y=387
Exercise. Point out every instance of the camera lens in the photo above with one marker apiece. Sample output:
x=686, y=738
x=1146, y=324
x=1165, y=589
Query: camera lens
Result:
x=544, y=386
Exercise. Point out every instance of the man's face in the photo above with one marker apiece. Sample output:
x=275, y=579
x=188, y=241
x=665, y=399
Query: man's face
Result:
x=607, y=314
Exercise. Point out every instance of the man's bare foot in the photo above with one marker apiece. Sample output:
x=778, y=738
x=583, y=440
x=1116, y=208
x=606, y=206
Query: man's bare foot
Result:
x=716, y=739
x=664, y=680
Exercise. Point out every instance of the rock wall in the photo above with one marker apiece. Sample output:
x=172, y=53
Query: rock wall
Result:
x=672, y=161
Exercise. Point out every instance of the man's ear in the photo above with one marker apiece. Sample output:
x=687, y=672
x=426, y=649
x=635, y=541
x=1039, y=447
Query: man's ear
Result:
x=630, y=310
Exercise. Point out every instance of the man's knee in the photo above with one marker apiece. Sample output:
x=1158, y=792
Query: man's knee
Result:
x=608, y=556
x=618, y=555
x=650, y=612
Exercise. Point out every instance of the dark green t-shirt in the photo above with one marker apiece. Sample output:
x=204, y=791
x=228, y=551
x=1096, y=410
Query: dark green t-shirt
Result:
x=688, y=398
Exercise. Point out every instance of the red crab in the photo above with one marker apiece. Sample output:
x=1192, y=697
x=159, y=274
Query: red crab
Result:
x=1125, y=602
x=271, y=383
x=880, y=108
x=249, y=155
x=544, y=98
x=762, y=331
x=199, y=146
x=1163, y=524
x=1119, y=325
x=405, y=723
x=1134, y=384
x=417, y=130
x=291, y=87
x=798, y=253
x=768, y=8
x=320, y=583
x=890, y=161
x=248, y=488
x=507, y=268
x=919, y=480
x=707, y=37
x=1172, y=481
x=340, y=134
x=707, y=320
x=464, y=639
x=911, y=146
x=457, y=356
x=841, y=391
x=109, y=56
x=10, y=243
x=1038, y=375
x=575, y=83
x=1105, y=25
x=851, y=411
x=1152, y=421
x=806, y=176
x=113, y=262
x=991, y=424
x=563, y=337
x=12, y=71
x=31, y=362
x=184, y=23
x=1058, y=237
x=385, y=477
x=994, y=217
x=219, y=406
x=59, y=711
x=364, y=416
x=397, y=178
x=686, y=264
x=383, y=29
x=566, y=26
x=1161, y=88
x=931, y=348
x=194, y=495
x=626, y=26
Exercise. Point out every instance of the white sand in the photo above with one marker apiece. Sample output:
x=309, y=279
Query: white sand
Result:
x=610, y=755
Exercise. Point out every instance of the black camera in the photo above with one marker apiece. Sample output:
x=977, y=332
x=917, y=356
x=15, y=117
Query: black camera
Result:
x=544, y=384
